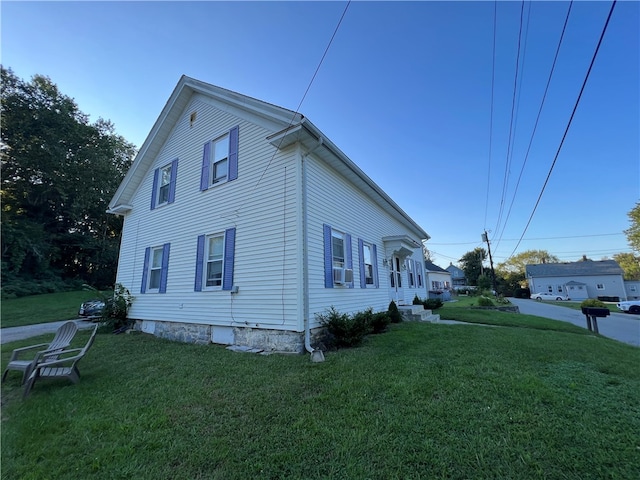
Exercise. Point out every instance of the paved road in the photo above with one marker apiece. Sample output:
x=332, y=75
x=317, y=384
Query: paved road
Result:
x=619, y=326
x=11, y=334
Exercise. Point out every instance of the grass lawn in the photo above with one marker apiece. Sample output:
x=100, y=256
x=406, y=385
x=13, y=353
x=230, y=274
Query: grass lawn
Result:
x=49, y=307
x=421, y=401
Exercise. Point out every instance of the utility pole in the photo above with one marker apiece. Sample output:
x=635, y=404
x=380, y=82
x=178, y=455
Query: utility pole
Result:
x=485, y=238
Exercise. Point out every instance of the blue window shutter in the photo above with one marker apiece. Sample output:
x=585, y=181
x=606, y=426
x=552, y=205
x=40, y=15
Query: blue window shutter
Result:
x=165, y=268
x=172, y=184
x=349, y=255
x=328, y=259
x=199, y=264
x=374, y=259
x=229, y=251
x=234, y=138
x=145, y=269
x=363, y=277
x=204, y=175
x=154, y=190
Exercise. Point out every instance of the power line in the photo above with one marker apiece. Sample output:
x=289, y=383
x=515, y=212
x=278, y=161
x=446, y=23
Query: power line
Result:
x=505, y=180
x=575, y=107
x=544, y=96
x=539, y=238
x=493, y=76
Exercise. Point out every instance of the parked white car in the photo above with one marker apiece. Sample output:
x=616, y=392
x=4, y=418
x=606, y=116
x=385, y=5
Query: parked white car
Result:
x=549, y=296
x=630, y=306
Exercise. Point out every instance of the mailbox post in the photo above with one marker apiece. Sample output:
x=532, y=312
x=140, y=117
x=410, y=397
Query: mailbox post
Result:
x=592, y=314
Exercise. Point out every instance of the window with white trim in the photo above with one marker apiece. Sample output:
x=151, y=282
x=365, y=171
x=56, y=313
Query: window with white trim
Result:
x=368, y=263
x=214, y=259
x=337, y=249
x=550, y=288
x=600, y=286
x=164, y=185
x=219, y=160
x=155, y=268
x=410, y=273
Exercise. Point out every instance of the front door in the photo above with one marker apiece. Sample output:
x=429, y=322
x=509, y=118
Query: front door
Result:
x=395, y=272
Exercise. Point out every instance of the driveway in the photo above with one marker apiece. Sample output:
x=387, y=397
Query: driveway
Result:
x=618, y=326
x=11, y=334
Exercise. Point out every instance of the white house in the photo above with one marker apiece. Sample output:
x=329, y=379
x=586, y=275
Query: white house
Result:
x=242, y=221
x=579, y=280
x=438, y=281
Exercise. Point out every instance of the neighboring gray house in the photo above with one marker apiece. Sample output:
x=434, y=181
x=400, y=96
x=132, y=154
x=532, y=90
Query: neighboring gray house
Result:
x=632, y=287
x=457, y=276
x=243, y=221
x=579, y=280
x=438, y=281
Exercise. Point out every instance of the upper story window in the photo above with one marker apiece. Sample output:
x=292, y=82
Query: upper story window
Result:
x=220, y=160
x=164, y=185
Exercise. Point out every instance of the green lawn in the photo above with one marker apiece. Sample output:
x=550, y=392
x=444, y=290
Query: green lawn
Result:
x=421, y=401
x=49, y=307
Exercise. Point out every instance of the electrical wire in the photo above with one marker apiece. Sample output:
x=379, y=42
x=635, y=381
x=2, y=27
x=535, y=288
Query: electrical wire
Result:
x=564, y=136
x=544, y=96
x=505, y=180
x=493, y=77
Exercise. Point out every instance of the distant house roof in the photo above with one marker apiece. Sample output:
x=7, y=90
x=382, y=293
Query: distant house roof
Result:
x=602, y=267
x=432, y=267
x=455, y=271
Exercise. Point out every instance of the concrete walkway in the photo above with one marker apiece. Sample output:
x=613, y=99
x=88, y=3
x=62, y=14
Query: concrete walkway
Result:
x=11, y=334
x=618, y=326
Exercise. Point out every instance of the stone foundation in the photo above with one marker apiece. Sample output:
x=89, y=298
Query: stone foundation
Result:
x=254, y=338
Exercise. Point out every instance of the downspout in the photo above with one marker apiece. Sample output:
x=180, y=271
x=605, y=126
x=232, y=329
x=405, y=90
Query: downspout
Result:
x=316, y=355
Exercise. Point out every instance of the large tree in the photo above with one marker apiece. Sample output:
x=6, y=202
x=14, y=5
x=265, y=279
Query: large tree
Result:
x=630, y=263
x=517, y=263
x=471, y=264
x=59, y=172
x=633, y=232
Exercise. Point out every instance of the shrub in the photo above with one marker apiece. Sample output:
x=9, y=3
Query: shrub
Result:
x=432, y=303
x=592, y=302
x=394, y=313
x=485, y=301
x=417, y=301
x=522, y=293
x=379, y=322
x=344, y=330
x=116, y=308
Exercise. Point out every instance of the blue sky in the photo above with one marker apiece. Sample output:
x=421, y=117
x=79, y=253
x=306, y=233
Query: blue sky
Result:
x=405, y=91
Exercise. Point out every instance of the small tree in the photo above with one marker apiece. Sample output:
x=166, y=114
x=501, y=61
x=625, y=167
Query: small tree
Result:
x=394, y=313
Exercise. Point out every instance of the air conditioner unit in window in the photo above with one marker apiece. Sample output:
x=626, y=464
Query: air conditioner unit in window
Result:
x=342, y=275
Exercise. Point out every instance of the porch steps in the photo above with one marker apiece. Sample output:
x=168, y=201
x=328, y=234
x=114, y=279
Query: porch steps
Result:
x=417, y=313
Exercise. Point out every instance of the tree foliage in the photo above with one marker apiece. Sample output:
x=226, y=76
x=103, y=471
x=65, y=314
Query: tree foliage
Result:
x=633, y=232
x=630, y=264
x=471, y=264
x=517, y=263
x=59, y=172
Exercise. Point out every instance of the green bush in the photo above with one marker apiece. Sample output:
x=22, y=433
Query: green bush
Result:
x=344, y=330
x=116, y=308
x=485, y=301
x=394, y=313
x=417, y=300
x=379, y=322
x=592, y=302
x=432, y=303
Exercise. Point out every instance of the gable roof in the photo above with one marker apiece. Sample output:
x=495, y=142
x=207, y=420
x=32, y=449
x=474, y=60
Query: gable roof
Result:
x=293, y=127
x=588, y=268
x=455, y=271
x=432, y=267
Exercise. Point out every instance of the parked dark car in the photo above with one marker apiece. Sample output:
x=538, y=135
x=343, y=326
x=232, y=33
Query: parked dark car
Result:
x=91, y=308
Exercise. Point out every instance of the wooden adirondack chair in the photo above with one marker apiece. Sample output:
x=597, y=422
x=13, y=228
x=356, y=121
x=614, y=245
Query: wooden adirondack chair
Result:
x=61, y=340
x=62, y=366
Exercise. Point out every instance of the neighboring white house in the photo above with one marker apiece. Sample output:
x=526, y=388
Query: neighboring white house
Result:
x=579, y=280
x=242, y=221
x=632, y=288
x=438, y=281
